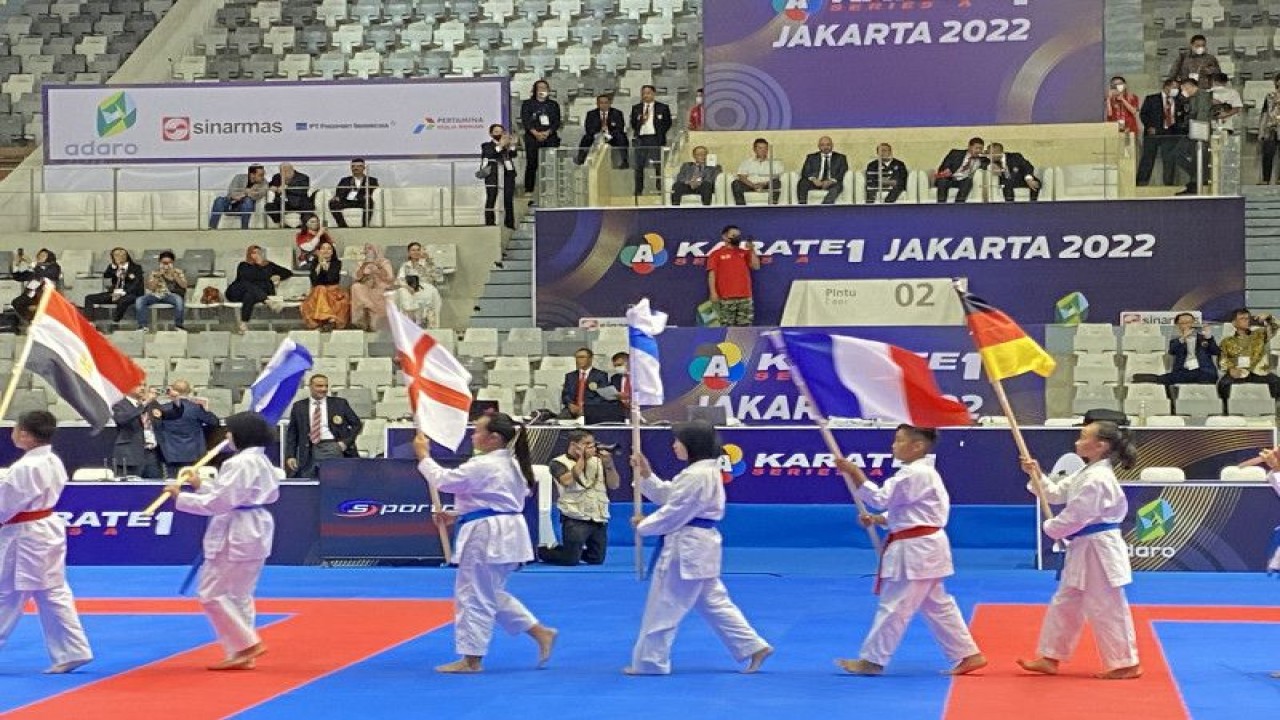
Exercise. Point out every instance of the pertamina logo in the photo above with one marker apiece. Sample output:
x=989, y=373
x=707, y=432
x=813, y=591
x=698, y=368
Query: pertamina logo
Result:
x=116, y=114
x=428, y=123
x=370, y=508
x=646, y=257
x=1155, y=520
x=717, y=365
x=798, y=10
x=175, y=129
x=732, y=462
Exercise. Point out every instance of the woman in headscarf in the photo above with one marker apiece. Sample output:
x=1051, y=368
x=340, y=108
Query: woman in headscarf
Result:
x=327, y=306
x=374, y=277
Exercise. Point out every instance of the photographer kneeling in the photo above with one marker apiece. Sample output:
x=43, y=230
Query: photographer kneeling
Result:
x=584, y=475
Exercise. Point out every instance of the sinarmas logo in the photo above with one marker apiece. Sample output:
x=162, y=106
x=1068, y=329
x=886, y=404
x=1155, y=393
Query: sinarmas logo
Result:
x=1155, y=520
x=116, y=114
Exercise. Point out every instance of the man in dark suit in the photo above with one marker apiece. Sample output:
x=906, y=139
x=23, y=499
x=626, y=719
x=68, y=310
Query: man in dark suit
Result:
x=499, y=158
x=608, y=120
x=135, y=448
x=321, y=428
x=1012, y=171
x=354, y=191
x=581, y=385
x=650, y=121
x=1198, y=367
x=1163, y=116
x=886, y=174
x=180, y=432
x=823, y=170
x=696, y=178
x=292, y=194
x=957, y=169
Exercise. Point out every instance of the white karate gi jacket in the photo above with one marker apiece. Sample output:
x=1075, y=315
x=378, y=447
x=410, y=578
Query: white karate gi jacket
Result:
x=914, y=496
x=1091, y=496
x=33, y=555
x=697, y=492
x=246, y=478
x=493, y=481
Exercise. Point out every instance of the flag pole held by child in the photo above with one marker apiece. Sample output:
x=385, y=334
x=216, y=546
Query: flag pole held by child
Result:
x=645, y=370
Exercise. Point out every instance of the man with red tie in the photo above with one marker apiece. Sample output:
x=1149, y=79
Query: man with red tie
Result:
x=1163, y=119
x=321, y=428
x=580, y=385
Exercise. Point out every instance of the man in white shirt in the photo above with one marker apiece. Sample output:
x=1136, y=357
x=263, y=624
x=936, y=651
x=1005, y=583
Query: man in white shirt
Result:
x=1228, y=106
x=650, y=121
x=758, y=173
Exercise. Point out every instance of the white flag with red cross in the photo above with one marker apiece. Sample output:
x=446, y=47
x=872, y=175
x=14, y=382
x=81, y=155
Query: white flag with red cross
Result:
x=439, y=386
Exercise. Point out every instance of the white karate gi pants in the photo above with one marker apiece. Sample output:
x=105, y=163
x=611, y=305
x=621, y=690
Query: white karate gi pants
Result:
x=1105, y=608
x=63, y=634
x=670, y=599
x=480, y=599
x=899, y=602
x=226, y=593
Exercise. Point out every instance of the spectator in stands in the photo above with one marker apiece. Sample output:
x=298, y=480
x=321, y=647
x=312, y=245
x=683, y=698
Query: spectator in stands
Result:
x=354, y=191
x=1122, y=105
x=32, y=276
x=1199, y=115
x=499, y=154
x=1268, y=129
x=621, y=378
x=243, y=194
x=581, y=385
x=540, y=118
x=321, y=427
x=183, y=422
x=1228, y=106
x=957, y=169
x=886, y=174
x=729, y=271
x=584, y=474
x=124, y=282
x=1163, y=121
x=134, y=451
x=166, y=285
x=309, y=236
x=327, y=306
x=255, y=282
x=1197, y=65
x=1194, y=353
x=292, y=193
x=758, y=173
x=374, y=277
x=1012, y=171
x=416, y=293
x=696, y=178
x=695, y=112
x=608, y=121
x=1246, y=356
x=823, y=170
x=650, y=121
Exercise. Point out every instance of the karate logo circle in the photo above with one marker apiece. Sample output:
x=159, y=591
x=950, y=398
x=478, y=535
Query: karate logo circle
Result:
x=717, y=365
x=798, y=10
x=731, y=462
x=646, y=257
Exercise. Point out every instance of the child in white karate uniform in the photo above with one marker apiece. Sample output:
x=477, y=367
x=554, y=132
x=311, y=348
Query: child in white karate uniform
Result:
x=687, y=573
x=33, y=545
x=238, y=539
x=1096, y=567
x=1272, y=458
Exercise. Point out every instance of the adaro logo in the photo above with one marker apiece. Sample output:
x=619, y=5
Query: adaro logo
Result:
x=175, y=129
x=717, y=365
x=731, y=462
x=1155, y=520
x=798, y=10
x=646, y=257
x=116, y=114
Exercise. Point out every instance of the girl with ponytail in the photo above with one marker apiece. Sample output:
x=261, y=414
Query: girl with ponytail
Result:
x=489, y=492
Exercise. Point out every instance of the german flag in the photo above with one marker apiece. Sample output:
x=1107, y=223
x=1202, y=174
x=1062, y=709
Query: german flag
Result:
x=1007, y=351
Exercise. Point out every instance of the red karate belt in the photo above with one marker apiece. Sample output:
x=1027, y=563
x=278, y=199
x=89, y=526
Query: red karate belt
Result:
x=904, y=534
x=28, y=516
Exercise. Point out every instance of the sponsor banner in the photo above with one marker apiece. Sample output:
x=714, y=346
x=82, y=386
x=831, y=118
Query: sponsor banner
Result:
x=1039, y=62
x=277, y=121
x=1166, y=318
x=1105, y=257
x=873, y=302
x=79, y=447
x=376, y=509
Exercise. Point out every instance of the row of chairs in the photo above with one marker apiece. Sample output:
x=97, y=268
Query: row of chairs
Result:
x=1194, y=401
x=331, y=13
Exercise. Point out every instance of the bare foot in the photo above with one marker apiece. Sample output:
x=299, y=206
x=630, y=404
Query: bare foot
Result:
x=859, y=667
x=974, y=662
x=461, y=666
x=66, y=667
x=1041, y=665
x=1276, y=674
x=757, y=659
x=1133, y=672
x=234, y=662
x=546, y=639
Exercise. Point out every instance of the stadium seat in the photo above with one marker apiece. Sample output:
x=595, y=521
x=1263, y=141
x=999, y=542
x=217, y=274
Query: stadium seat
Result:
x=540, y=398
x=511, y=372
x=414, y=206
x=1095, y=368
x=1146, y=399
x=1094, y=338
x=372, y=373
x=156, y=369
x=372, y=441
x=198, y=371
x=1162, y=474
x=1089, y=397
x=479, y=342
x=1197, y=401
x=360, y=398
x=524, y=341
x=1143, y=338
x=1166, y=421
x=504, y=396
x=1143, y=364
x=167, y=344
x=255, y=344
x=345, y=344
x=394, y=404
x=1250, y=399
x=336, y=369
x=1232, y=473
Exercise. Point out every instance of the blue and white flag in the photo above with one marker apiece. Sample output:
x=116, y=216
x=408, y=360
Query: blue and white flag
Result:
x=644, y=325
x=272, y=393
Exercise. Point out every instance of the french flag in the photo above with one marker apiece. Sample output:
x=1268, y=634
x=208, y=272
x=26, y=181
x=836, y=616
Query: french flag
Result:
x=854, y=378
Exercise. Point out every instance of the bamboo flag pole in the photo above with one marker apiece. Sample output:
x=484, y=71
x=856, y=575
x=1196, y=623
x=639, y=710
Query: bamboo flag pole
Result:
x=21, y=364
x=637, y=500
x=1037, y=482
x=188, y=471
x=442, y=526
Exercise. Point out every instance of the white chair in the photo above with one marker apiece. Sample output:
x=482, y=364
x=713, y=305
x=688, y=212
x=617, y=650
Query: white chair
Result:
x=1162, y=475
x=1086, y=182
x=345, y=344
x=450, y=34
x=1166, y=421
x=176, y=210
x=848, y=187
x=336, y=369
x=364, y=64
x=479, y=342
x=1146, y=399
x=294, y=66
x=67, y=211
x=1143, y=364
x=1229, y=421
x=372, y=441
x=524, y=341
x=1254, y=473
x=167, y=344
x=1096, y=368
x=511, y=372
x=394, y=404
x=348, y=37
x=1197, y=401
x=540, y=397
x=414, y=206
x=1250, y=400
x=195, y=370
x=504, y=396
x=468, y=62
x=1094, y=338
x=447, y=338
x=1089, y=397
x=372, y=373
x=1143, y=338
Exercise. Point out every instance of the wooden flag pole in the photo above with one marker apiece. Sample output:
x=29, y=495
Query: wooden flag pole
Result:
x=637, y=499
x=21, y=364
x=190, y=470
x=442, y=526
x=1037, y=482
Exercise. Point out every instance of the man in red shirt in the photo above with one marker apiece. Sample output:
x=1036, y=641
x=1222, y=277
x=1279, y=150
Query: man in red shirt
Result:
x=729, y=278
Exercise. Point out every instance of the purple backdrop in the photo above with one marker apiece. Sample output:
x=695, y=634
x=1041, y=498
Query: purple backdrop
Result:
x=853, y=63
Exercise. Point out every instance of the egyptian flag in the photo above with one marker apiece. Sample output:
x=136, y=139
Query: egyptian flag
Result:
x=1007, y=351
x=83, y=367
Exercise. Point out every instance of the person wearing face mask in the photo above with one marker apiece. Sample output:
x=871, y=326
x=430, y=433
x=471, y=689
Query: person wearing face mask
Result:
x=621, y=378
x=823, y=170
x=1163, y=118
x=540, y=118
x=1199, y=112
x=1122, y=105
x=696, y=178
x=729, y=271
x=1012, y=171
x=1196, y=63
x=498, y=156
x=1267, y=131
x=886, y=174
x=695, y=112
x=1228, y=106
x=957, y=169
x=650, y=121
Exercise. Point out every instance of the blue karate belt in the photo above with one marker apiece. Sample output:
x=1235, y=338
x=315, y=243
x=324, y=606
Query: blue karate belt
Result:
x=1271, y=549
x=1093, y=529
x=481, y=514
x=185, y=587
x=705, y=523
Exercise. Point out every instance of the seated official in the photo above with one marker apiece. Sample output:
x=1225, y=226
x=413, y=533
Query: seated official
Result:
x=957, y=169
x=696, y=178
x=886, y=174
x=581, y=385
x=1245, y=356
x=1012, y=171
x=1195, y=354
x=584, y=474
x=292, y=194
x=354, y=191
x=758, y=173
x=823, y=170
x=608, y=121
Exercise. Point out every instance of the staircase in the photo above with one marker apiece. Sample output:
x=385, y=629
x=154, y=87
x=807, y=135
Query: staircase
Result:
x=507, y=299
x=1262, y=248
